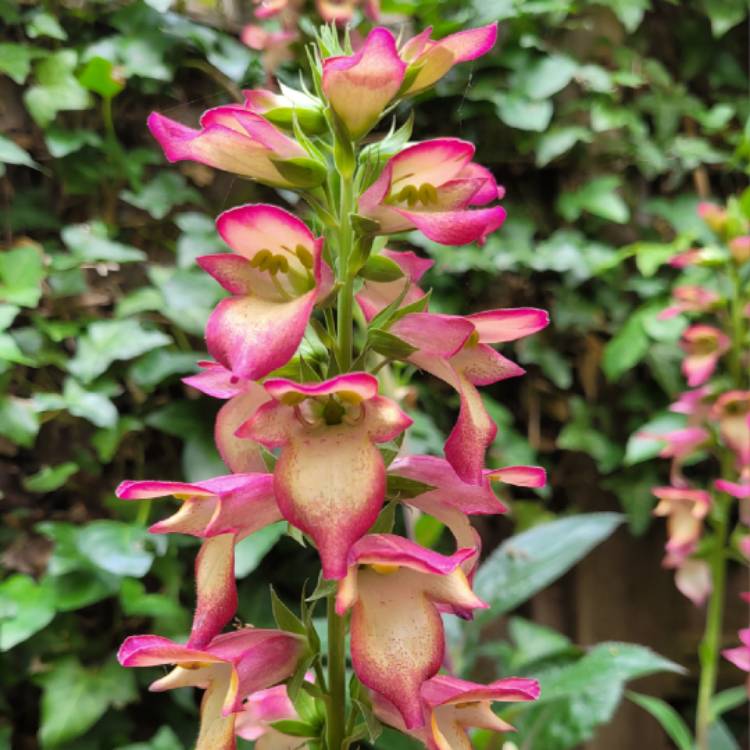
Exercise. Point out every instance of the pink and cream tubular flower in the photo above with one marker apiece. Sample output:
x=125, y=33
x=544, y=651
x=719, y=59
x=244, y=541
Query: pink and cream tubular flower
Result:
x=330, y=478
x=229, y=668
x=434, y=186
x=452, y=500
x=236, y=140
x=221, y=511
x=260, y=711
x=703, y=346
x=275, y=275
x=452, y=706
x=458, y=350
x=394, y=588
x=740, y=655
x=685, y=510
x=679, y=445
x=689, y=299
x=359, y=87
x=430, y=60
x=243, y=397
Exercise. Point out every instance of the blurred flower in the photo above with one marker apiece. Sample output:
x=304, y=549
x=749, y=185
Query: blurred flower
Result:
x=740, y=656
x=693, y=580
x=685, y=510
x=689, y=299
x=703, y=346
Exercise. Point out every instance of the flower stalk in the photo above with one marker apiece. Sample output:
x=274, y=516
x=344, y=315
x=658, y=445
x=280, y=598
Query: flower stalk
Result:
x=304, y=436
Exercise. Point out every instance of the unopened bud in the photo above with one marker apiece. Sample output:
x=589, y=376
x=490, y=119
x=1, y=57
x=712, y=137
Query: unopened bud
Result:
x=714, y=216
x=740, y=248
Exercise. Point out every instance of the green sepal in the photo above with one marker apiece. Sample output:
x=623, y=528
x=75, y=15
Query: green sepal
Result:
x=385, y=522
x=284, y=618
x=323, y=589
x=268, y=459
x=294, y=728
x=381, y=268
x=301, y=171
x=401, y=488
x=389, y=345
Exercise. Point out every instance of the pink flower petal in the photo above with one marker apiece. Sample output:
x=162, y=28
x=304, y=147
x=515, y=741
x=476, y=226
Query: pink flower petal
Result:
x=499, y=326
x=520, y=476
x=361, y=384
x=240, y=455
x=456, y=227
x=216, y=590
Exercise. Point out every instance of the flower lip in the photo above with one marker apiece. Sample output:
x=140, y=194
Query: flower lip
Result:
x=444, y=690
x=357, y=385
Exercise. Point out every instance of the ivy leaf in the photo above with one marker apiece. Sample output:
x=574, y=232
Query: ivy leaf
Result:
x=29, y=606
x=50, y=478
x=61, y=142
x=557, y=140
x=519, y=111
x=116, y=547
x=597, y=197
x=15, y=60
x=45, y=24
x=56, y=88
x=159, y=196
x=626, y=349
x=101, y=77
x=90, y=242
x=106, y=341
x=542, y=78
x=18, y=421
x=724, y=14
x=75, y=697
x=21, y=275
x=12, y=153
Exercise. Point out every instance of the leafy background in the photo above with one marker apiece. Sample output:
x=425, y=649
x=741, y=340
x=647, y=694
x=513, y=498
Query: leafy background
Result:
x=605, y=120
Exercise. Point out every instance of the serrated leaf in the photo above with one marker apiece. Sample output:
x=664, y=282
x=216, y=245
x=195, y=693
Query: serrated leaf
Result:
x=50, y=478
x=527, y=562
x=25, y=608
x=107, y=341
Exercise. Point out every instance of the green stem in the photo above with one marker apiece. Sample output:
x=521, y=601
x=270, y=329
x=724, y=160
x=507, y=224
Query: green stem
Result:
x=336, y=677
x=711, y=643
x=738, y=327
x=336, y=720
x=346, y=292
